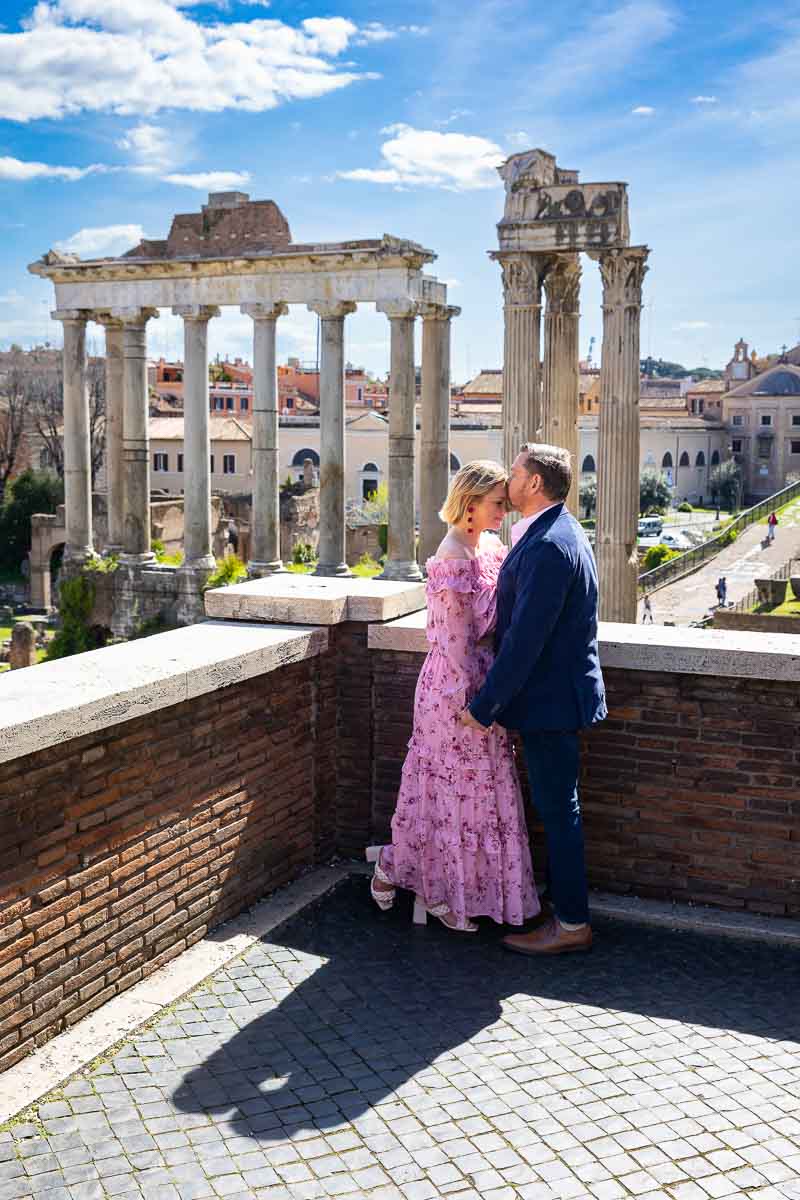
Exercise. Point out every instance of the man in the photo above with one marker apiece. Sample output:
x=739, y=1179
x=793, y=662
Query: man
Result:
x=772, y=521
x=546, y=680
x=647, y=614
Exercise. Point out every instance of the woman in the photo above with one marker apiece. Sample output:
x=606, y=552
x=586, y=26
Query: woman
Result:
x=459, y=840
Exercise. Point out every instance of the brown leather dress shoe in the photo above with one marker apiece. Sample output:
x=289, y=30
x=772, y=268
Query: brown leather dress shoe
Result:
x=550, y=938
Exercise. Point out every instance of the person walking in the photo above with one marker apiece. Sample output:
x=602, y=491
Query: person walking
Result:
x=647, y=615
x=723, y=591
x=546, y=680
x=719, y=590
x=772, y=521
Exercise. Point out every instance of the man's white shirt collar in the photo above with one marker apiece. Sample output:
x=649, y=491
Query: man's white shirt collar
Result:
x=523, y=525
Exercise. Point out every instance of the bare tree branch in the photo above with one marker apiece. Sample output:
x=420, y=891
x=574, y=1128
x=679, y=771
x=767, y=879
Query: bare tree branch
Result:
x=12, y=427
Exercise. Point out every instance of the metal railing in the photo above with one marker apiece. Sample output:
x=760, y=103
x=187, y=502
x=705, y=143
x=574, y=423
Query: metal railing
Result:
x=685, y=564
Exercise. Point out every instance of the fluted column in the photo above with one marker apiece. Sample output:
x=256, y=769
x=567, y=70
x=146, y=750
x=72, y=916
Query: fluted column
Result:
x=115, y=502
x=435, y=426
x=522, y=309
x=196, y=440
x=401, y=557
x=265, y=521
x=622, y=273
x=135, y=434
x=77, y=450
x=562, y=284
x=331, y=552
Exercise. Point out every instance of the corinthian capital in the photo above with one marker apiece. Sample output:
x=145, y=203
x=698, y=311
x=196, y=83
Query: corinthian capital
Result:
x=623, y=272
x=562, y=284
x=522, y=277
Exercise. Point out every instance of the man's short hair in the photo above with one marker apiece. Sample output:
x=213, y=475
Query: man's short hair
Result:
x=554, y=464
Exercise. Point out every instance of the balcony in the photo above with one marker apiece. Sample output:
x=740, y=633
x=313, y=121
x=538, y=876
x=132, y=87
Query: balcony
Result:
x=157, y=790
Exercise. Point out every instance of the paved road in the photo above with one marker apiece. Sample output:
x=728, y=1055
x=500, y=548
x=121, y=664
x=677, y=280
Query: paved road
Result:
x=356, y=1056
x=747, y=559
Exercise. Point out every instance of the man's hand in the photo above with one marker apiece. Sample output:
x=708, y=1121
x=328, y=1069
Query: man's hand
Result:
x=467, y=719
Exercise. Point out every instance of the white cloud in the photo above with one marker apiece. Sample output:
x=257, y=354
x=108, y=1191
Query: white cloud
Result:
x=136, y=58
x=151, y=144
x=16, y=169
x=520, y=139
x=456, y=115
x=690, y=325
x=102, y=241
x=209, y=181
x=426, y=158
x=374, y=31
x=642, y=110
x=704, y=100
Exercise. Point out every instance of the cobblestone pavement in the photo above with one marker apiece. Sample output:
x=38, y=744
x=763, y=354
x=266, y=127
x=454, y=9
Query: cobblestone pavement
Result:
x=353, y=1055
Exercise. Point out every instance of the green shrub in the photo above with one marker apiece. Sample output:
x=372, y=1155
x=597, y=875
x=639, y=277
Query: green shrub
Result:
x=366, y=567
x=656, y=555
x=75, y=604
x=685, y=506
x=303, y=552
x=31, y=492
x=728, y=537
x=228, y=570
x=166, y=559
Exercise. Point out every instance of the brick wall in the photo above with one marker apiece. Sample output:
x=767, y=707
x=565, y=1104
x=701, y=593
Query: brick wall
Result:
x=121, y=848
x=690, y=788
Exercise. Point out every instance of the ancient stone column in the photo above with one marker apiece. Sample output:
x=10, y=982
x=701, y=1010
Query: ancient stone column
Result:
x=265, y=521
x=114, y=438
x=401, y=558
x=77, y=449
x=435, y=426
x=331, y=550
x=196, y=441
x=135, y=434
x=562, y=283
x=622, y=273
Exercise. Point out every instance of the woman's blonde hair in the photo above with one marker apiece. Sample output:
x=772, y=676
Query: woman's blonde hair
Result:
x=474, y=481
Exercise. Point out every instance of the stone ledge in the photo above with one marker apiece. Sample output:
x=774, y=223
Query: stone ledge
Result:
x=314, y=600
x=54, y=702
x=721, y=653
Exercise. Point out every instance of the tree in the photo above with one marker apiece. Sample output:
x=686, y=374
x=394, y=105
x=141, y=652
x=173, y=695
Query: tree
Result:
x=12, y=426
x=587, y=497
x=726, y=484
x=654, y=492
x=45, y=396
x=31, y=492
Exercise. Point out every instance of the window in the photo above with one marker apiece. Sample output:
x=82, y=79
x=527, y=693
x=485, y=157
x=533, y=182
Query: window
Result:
x=369, y=479
x=588, y=467
x=795, y=447
x=700, y=405
x=244, y=404
x=212, y=464
x=715, y=457
x=219, y=403
x=666, y=461
x=301, y=456
x=736, y=447
x=766, y=419
x=229, y=403
x=180, y=464
x=684, y=460
x=46, y=458
x=796, y=418
x=700, y=461
x=229, y=464
x=160, y=461
x=764, y=447
x=738, y=418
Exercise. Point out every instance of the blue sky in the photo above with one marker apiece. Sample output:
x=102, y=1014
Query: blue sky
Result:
x=363, y=118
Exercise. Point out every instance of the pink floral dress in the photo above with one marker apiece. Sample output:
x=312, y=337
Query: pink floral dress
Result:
x=458, y=831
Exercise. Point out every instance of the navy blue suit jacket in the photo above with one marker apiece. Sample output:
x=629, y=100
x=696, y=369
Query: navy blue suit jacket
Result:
x=546, y=674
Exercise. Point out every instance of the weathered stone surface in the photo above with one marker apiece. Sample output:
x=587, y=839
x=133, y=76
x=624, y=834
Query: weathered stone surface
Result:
x=73, y=696
x=23, y=646
x=315, y=600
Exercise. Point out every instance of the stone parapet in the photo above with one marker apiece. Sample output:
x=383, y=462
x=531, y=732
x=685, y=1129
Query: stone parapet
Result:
x=315, y=600
x=735, y=655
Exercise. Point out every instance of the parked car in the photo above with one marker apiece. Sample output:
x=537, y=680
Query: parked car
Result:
x=675, y=541
x=650, y=526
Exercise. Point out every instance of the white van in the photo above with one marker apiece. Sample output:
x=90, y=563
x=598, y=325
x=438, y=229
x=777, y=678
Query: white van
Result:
x=650, y=526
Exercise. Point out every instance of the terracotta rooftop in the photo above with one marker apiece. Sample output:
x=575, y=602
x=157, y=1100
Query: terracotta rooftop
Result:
x=780, y=380
x=221, y=429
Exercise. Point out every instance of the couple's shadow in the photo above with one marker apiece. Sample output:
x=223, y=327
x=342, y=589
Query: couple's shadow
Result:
x=349, y=1007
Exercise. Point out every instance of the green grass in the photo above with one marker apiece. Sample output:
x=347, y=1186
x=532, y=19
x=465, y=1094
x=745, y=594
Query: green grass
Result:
x=791, y=509
x=790, y=606
x=367, y=570
x=300, y=568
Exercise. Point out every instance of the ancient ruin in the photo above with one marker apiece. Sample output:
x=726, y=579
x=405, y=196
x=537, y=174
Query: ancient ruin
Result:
x=549, y=220
x=239, y=252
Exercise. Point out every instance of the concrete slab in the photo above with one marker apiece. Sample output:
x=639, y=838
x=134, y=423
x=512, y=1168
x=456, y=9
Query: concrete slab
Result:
x=314, y=600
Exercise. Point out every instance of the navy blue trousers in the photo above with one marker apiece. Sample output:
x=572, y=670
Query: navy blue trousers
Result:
x=553, y=760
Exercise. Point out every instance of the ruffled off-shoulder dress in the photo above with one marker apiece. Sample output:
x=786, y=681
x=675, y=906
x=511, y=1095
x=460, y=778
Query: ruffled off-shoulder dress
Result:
x=458, y=831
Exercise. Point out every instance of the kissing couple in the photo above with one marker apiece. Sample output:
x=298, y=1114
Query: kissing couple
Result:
x=513, y=646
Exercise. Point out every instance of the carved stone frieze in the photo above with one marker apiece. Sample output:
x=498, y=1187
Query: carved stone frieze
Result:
x=562, y=284
x=522, y=278
x=622, y=272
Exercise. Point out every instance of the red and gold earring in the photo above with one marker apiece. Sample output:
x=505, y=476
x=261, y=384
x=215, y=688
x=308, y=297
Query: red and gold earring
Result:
x=470, y=510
